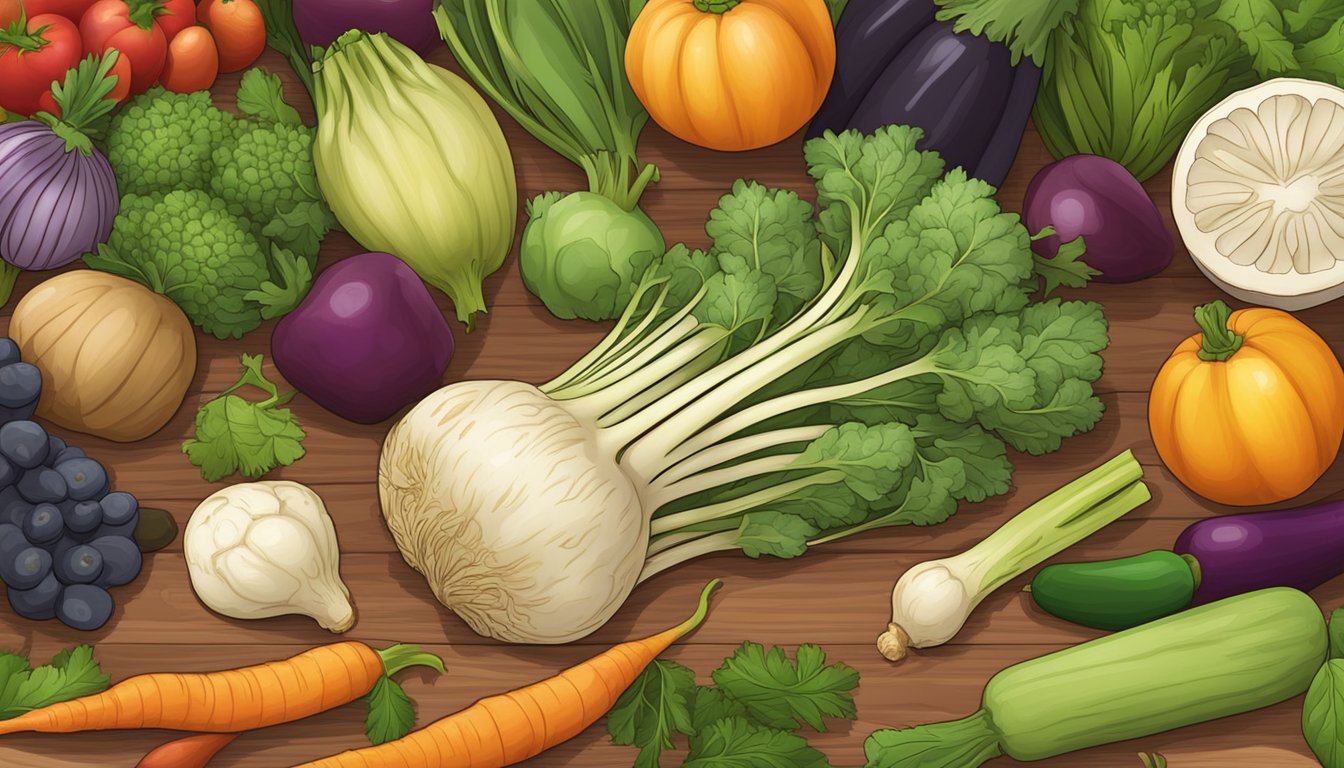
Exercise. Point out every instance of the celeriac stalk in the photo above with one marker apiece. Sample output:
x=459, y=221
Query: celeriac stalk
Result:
x=932, y=600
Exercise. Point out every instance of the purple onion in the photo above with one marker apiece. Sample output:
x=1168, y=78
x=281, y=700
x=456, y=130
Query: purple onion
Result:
x=411, y=22
x=1098, y=199
x=367, y=341
x=56, y=203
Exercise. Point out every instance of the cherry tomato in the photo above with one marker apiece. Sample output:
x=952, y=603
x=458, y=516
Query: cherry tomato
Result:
x=31, y=62
x=238, y=29
x=70, y=9
x=177, y=15
x=193, y=61
x=107, y=24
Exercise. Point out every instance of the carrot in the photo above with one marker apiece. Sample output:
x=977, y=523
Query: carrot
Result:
x=234, y=700
x=191, y=752
x=504, y=730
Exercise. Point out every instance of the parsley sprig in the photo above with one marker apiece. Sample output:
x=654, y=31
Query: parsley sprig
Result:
x=749, y=716
x=71, y=674
x=238, y=435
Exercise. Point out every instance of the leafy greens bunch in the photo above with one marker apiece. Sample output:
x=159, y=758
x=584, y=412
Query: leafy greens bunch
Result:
x=749, y=716
x=1127, y=79
x=805, y=378
x=220, y=214
x=71, y=674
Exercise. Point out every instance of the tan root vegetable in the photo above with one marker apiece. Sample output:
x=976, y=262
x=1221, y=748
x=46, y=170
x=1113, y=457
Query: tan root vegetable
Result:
x=116, y=358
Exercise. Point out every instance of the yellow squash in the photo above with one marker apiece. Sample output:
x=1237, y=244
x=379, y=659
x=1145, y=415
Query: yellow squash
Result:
x=116, y=358
x=731, y=74
x=1251, y=410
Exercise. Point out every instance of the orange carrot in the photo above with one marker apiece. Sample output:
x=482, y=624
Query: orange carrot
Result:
x=234, y=700
x=191, y=752
x=504, y=730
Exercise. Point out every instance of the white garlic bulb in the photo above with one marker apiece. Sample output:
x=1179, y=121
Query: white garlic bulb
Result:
x=256, y=550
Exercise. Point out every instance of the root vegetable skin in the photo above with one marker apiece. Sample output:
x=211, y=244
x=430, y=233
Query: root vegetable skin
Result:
x=189, y=752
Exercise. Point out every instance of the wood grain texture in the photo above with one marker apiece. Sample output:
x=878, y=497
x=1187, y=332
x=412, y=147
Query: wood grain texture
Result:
x=837, y=596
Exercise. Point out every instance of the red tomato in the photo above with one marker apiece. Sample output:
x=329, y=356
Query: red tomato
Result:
x=193, y=61
x=238, y=29
x=107, y=24
x=70, y=9
x=30, y=63
x=177, y=15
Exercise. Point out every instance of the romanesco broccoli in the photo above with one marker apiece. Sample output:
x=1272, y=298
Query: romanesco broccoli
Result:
x=163, y=141
x=187, y=246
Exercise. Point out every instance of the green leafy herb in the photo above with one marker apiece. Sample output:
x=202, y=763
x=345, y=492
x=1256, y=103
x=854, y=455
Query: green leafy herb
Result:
x=1066, y=268
x=283, y=35
x=736, y=743
x=1025, y=27
x=71, y=674
x=652, y=710
x=293, y=279
x=786, y=694
x=261, y=95
x=1323, y=715
x=237, y=435
x=746, y=719
x=82, y=100
x=836, y=8
x=390, y=715
x=1336, y=630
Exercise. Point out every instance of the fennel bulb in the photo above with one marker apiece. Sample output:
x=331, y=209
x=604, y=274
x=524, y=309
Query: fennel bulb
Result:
x=807, y=378
x=412, y=162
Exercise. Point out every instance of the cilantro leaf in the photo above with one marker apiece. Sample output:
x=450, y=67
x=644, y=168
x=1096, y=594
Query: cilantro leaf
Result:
x=261, y=95
x=736, y=743
x=1322, y=57
x=1323, y=714
x=870, y=458
x=652, y=709
x=391, y=715
x=1024, y=27
x=293, y=277
x=1260, y=25
x=785, y=694
x=1066, y=267
x=710, y=705
x=236, y=435
x=71, y=674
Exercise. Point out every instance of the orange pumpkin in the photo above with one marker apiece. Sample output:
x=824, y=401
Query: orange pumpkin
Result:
x=731, y=74
x=1251, y=411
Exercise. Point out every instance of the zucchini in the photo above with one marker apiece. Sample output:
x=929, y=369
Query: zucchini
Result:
x=1221, y=659
x=1117, y=594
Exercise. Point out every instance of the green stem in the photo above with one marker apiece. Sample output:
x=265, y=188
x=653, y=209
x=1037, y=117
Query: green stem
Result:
x=719, y=542
x=741, y=504
x=716, y=6
x=701, y=611
x=732, y=450
x=8, y=275
x=965, y=743
x=1220, y=342
x=18, y=36
x=399, y=657
x=714, y=478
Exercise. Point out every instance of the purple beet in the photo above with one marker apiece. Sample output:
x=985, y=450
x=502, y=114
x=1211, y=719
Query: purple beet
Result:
x=1301, y=548
x=411, y=22
x=367, y=341
x=1098, y=199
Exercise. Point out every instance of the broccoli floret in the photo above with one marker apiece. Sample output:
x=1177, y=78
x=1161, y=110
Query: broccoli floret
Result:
x=187, y=246
x=161, y=141
x=267, y=177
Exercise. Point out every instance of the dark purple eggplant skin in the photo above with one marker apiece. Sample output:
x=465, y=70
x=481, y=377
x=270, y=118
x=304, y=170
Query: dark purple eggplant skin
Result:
x=1301, y=548
x=870, y=34
x=999, y=155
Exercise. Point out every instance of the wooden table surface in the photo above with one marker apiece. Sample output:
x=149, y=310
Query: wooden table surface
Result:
x=838, y=596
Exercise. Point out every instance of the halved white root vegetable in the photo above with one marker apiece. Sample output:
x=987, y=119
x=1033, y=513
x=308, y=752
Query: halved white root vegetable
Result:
x=932, y=601
x=1258, y=193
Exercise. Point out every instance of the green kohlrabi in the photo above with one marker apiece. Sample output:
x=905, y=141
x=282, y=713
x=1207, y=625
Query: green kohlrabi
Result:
x=558, y=68
x=809, y=376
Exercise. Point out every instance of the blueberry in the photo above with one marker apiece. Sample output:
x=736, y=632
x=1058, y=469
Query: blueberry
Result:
x=81, y=564
x=24, y=443
x=38, y=603
x=121, y=560
x=11, y=540
x=84, y=607
x=84, y=478
x=26, y=569
x=68, y=453
x=119, y=508
x=43, y=485
x=44, y=524
x=9, y=351
x=20, y=385
x=83, y=516
x=9, y=474
x=54, y=447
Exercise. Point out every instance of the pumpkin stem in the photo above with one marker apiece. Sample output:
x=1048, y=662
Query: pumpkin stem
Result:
x=716, y=6
x=1220, y=342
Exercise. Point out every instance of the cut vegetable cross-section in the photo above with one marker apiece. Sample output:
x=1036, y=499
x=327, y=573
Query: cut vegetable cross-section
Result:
x=1258, y=193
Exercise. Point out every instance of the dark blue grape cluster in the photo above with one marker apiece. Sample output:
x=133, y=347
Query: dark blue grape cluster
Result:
x=65, y=537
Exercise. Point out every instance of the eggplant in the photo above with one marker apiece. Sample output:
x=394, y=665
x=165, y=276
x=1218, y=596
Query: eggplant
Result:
x=898, y=64
x=1211, y=560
